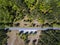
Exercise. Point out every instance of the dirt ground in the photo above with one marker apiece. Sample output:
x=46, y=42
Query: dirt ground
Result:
x=14, y=39
x=33, y=37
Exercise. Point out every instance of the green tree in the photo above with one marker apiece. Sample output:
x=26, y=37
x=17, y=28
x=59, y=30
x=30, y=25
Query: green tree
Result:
x=49, y=37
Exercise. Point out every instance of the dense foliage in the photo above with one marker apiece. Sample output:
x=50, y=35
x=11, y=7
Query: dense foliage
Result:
x=46, y=10
x=50, y=37
x=3, y=37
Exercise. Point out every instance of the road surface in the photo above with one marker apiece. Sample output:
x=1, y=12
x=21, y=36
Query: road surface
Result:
x=33, y=28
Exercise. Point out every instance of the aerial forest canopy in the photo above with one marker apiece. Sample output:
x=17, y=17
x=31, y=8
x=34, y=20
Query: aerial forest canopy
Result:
x=45, y=11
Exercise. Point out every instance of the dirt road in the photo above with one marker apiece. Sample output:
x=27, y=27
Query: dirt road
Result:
x=14, y=39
